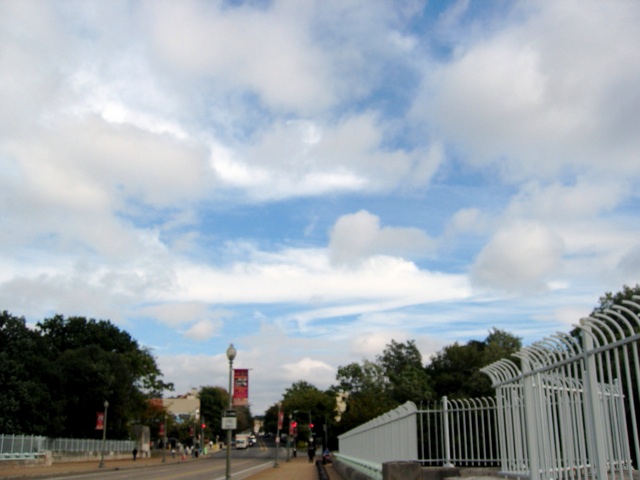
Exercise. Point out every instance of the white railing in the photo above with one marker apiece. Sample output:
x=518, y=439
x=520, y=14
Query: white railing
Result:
x=448, y=433
x=568, y=409
x=389, y=437
x=27, y=446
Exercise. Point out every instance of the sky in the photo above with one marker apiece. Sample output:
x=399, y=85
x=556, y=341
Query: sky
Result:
x=311, y=179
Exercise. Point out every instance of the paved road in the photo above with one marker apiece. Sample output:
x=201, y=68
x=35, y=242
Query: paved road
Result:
x=244, y=463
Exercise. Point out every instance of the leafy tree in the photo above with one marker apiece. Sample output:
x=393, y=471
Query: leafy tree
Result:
x=364, y=388
x=244, y=418
x=404, y=373
x=57, y=376
x=308, y=404
x=30, y=397
x=213, y=401
x=455, y=371
x=304, y=403
x=608, y=299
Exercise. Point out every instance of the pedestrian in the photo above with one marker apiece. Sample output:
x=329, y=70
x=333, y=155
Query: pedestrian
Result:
x=135, y=453
x=311, y=452
x=326, y=456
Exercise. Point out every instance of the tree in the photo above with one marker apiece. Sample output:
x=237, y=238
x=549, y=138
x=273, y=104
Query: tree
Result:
x=213, y=401
x=58, y=375
x=364, y=388
x=404, y=373
x=30, y=397
x=307, y=404
x=455, y=370
x=609, y=299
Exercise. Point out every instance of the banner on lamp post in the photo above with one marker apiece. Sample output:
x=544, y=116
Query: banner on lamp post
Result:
x=161, y=430
x=99, y=420
x=240, y=387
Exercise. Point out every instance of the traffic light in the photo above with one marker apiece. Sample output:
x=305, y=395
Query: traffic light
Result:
x=204, y=425
x=311, y=425
x=294, y=424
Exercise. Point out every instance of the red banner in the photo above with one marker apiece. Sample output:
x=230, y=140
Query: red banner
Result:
x=240, y=387
x=99, y=420
x=280, y=419
x=161, y=430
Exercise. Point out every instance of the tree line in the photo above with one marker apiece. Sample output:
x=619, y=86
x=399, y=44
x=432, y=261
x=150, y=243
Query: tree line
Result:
x=370, y=388
x=56, y=376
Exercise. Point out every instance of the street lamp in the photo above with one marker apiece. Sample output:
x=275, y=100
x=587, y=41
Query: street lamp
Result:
x=231, y=354
x=289, y=437
x=104, y=434
x=164, y=440
x=276, y=464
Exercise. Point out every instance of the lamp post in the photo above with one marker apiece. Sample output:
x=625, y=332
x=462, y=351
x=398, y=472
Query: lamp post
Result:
x=276, y=464
x=164, y=440
x=104, y=434
x=196, y=415
x=289, y=438
x=231, y=354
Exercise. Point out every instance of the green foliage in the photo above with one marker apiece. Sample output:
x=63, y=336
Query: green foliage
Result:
x=455, y=370
x=404, y=372
x=30, y=395
x=303, y=403
x=609, y=299
x=373, y=388
x=213, y=401
x=56, y=377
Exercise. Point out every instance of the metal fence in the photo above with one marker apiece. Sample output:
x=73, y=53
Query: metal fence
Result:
x=569, y=410
x=447, y=433
x=28, y=446
x=459, y=432
x=566, y=408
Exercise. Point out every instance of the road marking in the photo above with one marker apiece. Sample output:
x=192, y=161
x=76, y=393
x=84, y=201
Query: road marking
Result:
x=233, y=474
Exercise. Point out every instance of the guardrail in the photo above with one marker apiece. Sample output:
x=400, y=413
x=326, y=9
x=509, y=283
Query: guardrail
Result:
x=570, y=410
x=26, y=447
x=372, y=470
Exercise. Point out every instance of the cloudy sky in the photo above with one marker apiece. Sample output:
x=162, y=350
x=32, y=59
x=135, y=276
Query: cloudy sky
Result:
x=311, y=179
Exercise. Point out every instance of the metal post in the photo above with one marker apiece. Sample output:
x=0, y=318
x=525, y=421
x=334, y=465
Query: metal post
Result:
x=445, y=429
x=104, y=434
x=289, y=440
x=164, y=440
x=278, y=435
x=595, y=429
x=231, y=354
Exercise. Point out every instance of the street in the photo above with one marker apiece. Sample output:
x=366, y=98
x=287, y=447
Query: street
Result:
x=244, y=463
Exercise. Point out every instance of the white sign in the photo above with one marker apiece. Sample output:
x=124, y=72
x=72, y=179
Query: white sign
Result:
x=229, y=423
x=229, y=420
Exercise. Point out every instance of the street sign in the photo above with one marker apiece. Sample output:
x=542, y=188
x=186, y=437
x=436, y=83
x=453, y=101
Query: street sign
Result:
x=229, y=420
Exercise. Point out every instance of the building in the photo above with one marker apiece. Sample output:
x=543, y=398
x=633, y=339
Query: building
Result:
x=183, y=407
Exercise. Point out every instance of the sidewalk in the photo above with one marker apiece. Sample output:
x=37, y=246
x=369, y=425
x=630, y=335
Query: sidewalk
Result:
x=296, y=469
x=62, y=468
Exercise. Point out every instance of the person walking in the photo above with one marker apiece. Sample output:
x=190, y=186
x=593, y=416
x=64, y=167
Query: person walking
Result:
x=311, y=452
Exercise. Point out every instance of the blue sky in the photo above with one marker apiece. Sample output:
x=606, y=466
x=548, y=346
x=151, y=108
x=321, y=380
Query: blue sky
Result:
x=312, y=179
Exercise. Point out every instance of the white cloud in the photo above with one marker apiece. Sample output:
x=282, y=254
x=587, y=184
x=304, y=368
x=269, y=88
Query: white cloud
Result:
x=519, y=258
x=358, y=236
x=307, y=368
x=236, y=47
x=541, y=101
x=203, y=330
